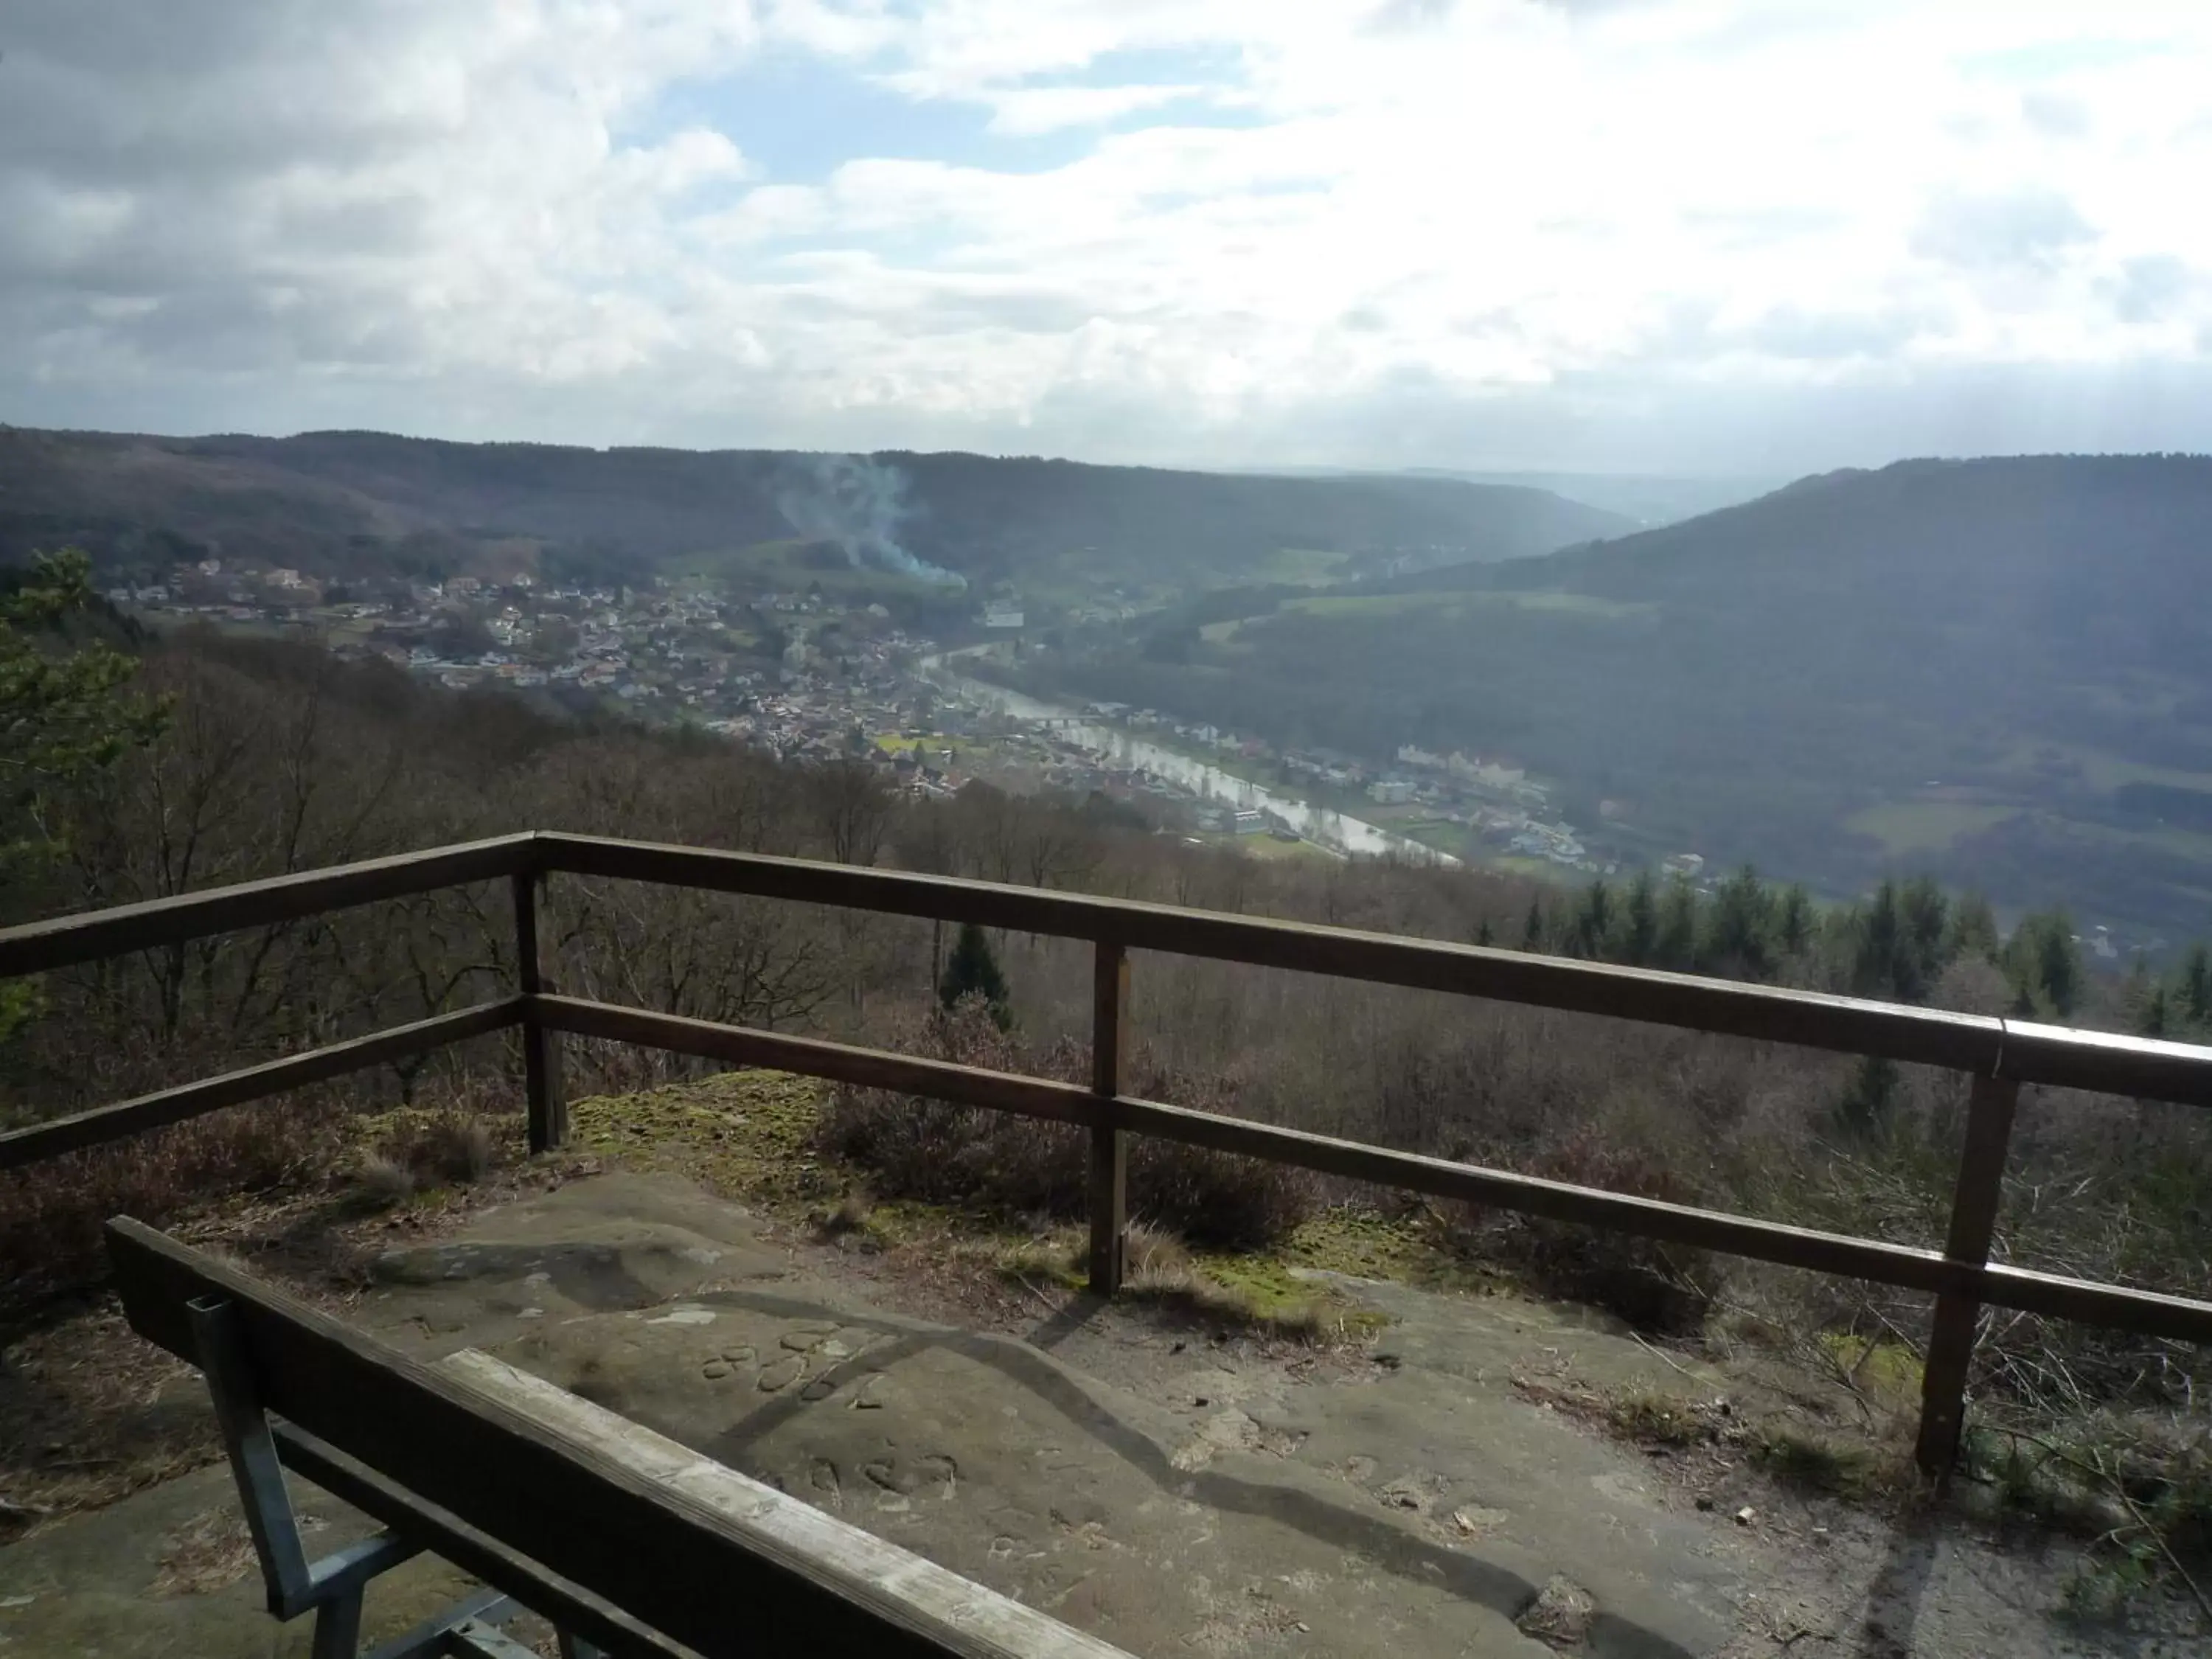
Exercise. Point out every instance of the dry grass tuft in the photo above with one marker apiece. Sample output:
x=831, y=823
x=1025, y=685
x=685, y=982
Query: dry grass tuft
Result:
x=849, y=1214
x=384, y=1183
x=208, y=1553
x=451, y=1148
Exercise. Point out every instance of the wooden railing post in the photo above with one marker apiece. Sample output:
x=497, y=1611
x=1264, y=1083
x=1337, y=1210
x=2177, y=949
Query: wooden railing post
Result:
x=541, y=1046
x=1110, y=1148
x=1974, y=1222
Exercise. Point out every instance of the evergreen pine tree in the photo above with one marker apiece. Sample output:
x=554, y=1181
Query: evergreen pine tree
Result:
x=1677, y=945
x=1736, y=942
x=1973, y=930
x=1593, y=919
x=973, y=971
x=64, y=713
x=1793, y=922
x=1875, y=945
x=1639, y=920
x=1532, y=930
x=2044, y=966
x=1924, y=925
x=2196, y=990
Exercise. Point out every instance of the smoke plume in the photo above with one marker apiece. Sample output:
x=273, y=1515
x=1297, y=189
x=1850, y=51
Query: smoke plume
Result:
x=859, y=503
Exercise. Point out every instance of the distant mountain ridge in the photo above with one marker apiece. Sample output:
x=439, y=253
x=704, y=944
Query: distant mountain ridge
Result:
x=326, y=501
x=2060, y=552
x=1998, y=671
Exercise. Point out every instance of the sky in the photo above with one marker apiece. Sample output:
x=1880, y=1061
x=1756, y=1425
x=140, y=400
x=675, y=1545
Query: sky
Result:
x=1693, y=236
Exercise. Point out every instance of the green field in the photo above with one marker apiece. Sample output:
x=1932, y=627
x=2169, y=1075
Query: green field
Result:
x=2101, y=771
x=1367, y=605
x=1442, y=834
x=1301, y=567
x=1906, y=828
x=1456, y=605
x=1266, y=847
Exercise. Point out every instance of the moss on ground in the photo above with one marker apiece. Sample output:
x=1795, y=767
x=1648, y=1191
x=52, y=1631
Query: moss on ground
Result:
x=752, y=1135
x=745, y=1134
x=1364, y=1243
x=1887, y=1373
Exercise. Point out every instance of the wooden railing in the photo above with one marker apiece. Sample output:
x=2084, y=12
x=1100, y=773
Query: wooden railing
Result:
x=1998, y=1055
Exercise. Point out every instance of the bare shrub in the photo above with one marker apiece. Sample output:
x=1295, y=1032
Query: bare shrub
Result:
x=1654, y=1287
x=50, y=1214
x=384, y=1183
x=451, y=1149
x=1208, y=1197
x=967, y=1156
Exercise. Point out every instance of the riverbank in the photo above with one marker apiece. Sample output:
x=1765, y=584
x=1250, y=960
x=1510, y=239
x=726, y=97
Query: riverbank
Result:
x=1204, y=780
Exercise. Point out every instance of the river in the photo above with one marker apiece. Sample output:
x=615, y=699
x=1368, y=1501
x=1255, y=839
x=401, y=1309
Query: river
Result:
x=1324, y=825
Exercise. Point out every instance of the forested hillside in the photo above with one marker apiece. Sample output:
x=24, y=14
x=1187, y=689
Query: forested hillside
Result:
x=355, y=503
x=1998, y=670
x=208, y=760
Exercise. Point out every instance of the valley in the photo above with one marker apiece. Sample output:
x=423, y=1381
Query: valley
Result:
x=1994, y=673
x=1991, y=672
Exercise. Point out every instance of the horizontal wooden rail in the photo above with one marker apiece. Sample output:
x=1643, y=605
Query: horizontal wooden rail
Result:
x=1762, y=1241
x=37, y=946
x=1979, y=1044
x=1975, y=1043
x=252, y=1083
x=868, y=1068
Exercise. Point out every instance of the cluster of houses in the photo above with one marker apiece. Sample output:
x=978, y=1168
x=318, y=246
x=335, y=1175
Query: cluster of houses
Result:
x=665, y=647
x=842, y=676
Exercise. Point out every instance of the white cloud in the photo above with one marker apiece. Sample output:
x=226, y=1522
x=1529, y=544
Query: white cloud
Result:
x=1046, y=109
x=1366, y=230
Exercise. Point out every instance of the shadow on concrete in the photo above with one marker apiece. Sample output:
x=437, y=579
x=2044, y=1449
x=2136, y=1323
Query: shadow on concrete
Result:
x=1049, y=1333
x=1893, y=1611
x=1465, y=1574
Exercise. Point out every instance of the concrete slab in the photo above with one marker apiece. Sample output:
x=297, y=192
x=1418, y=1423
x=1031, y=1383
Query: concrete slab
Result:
x=1171, y=1496
x=168, y=1574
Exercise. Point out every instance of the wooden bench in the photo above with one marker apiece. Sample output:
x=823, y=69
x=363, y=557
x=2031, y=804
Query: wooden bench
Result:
x=628, y=1543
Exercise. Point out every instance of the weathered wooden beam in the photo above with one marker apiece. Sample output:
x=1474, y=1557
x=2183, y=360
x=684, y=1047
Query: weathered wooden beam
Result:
x=2106, y=1062
x=1110, y=1147
x=252, y=1083
x=1810, y=1019
x=38, y=946
x=1979, y=1190
x=708, y=1569
x=542, y=1086
x=1762, y=1241
x=866, y=1068
x=775, y=1523
x=474, y=1552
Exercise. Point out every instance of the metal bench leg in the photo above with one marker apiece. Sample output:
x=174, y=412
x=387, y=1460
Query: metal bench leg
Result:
x=331, y=1587
x=337, y=1627
x=253, y=1462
